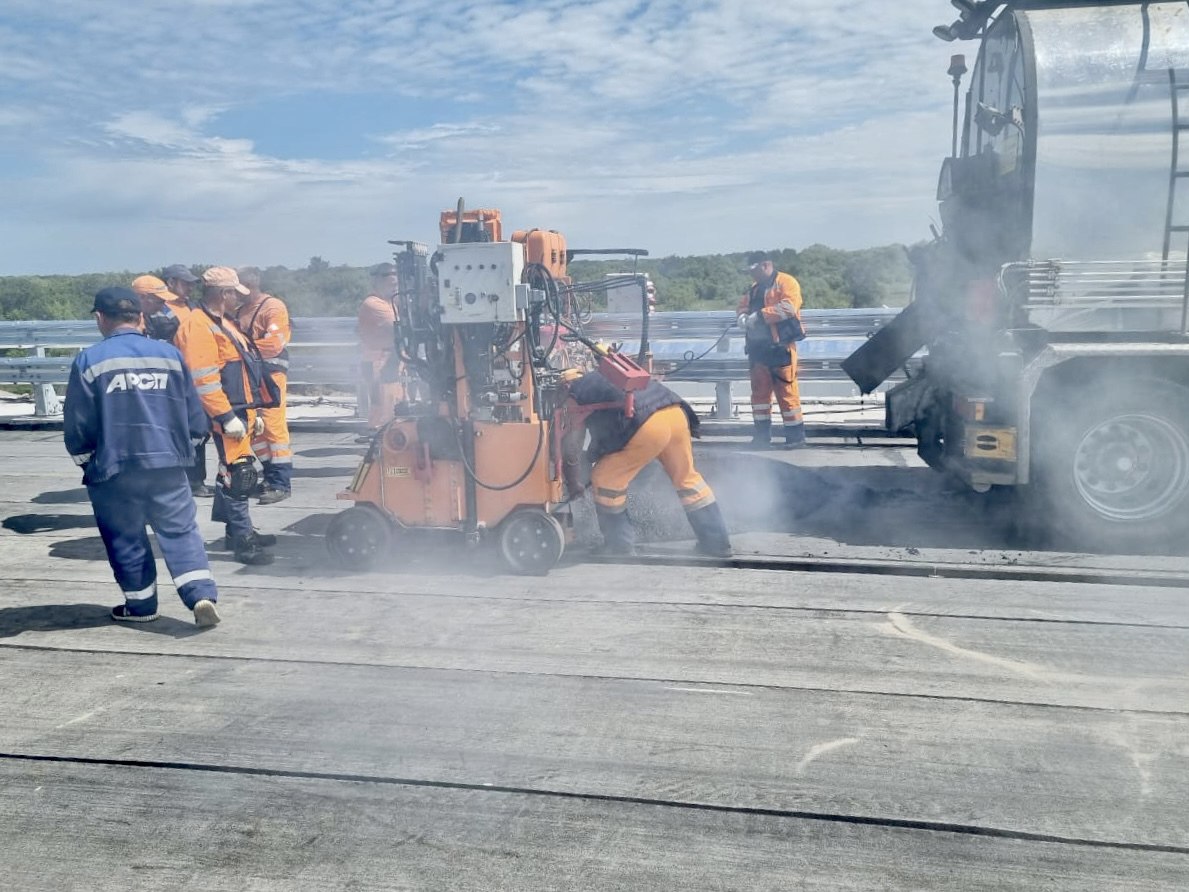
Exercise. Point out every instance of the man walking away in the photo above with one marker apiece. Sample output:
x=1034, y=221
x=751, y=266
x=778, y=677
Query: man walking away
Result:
x=770, y=313
x=130, y=417
x=264, y=318
x=230, y=379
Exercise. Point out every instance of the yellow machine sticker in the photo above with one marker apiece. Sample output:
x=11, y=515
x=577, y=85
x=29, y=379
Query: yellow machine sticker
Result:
x=398, y=472
x=997, y=443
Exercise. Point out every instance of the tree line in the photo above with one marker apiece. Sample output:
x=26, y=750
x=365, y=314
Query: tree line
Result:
x=830, y=278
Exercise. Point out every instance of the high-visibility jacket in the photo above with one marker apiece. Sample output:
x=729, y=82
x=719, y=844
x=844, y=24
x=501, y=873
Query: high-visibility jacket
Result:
x=776, y=301
x=266, y=321
x=181, y=308
x=131, y=404
x=227, y=376
x=376, y=326
x=610, y=429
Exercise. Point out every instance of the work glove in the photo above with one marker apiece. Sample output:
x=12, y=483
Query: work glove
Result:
x=258, y=426
x=742, y=320
x=235, y=429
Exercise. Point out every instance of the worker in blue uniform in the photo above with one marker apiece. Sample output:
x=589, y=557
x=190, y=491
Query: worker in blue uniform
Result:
x=131, y=417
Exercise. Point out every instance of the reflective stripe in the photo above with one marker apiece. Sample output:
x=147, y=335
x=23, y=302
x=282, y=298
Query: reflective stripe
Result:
x=192, y=576
x=689, y=493
x=130, y=363
x=277, y=363
x=204, y=389
x=143, y=595
x=203, y=372
x=281, y=460
x=82, y=458
x=707, y=499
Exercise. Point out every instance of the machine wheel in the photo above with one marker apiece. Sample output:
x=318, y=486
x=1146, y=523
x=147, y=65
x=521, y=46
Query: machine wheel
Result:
x=1115, y=472
x=358, y=537
x=531, y=542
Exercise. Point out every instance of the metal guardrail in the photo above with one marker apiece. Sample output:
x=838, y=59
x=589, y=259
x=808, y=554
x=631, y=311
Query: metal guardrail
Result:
x=324, y=349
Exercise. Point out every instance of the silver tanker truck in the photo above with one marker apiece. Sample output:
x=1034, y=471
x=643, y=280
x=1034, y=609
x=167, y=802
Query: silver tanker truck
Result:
x=1053, y=304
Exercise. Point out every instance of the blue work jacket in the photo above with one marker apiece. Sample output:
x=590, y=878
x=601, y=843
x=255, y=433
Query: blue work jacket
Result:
x=131, y=404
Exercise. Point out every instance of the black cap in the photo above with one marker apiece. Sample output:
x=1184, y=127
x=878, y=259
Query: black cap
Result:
x=179, y=271
x=755, y=258
x=116, y=301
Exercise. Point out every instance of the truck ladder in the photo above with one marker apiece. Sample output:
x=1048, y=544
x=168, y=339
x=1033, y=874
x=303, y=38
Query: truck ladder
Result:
x=1176, y=86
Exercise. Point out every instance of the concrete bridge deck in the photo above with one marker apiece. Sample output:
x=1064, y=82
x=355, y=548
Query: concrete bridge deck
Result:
x=436, y=724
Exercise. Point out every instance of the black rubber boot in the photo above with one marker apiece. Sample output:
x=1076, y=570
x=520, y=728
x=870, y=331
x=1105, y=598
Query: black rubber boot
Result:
x=618, y=535
x=763, y=434
x=248, y=551
x=264, y=540
x=711, y=530
x=794, y=436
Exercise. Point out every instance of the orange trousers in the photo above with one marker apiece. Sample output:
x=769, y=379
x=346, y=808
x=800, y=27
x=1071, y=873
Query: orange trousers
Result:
x=273, y=445
x=766, y=382
x=382, y=395
x=233, y=449
x=664, y=436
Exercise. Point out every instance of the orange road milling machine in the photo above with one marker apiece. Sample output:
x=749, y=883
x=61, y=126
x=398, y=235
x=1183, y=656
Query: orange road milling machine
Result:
x=484, y=329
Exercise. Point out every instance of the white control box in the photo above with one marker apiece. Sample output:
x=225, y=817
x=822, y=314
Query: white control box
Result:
x=477, y=281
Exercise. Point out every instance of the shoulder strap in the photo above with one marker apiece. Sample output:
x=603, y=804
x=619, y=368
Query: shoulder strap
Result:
x=252, y=322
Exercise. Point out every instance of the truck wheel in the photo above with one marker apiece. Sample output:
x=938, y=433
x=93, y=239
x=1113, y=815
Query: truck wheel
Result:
x=358, y=537
x=531, y=542
x=1115, y=471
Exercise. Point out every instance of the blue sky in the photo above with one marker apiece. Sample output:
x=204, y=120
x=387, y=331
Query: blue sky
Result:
x=133, y=135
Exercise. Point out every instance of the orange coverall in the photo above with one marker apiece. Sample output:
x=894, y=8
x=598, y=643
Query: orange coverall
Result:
x=377, y=331
x=779, y=302
x=221, y=379
x=265, y=319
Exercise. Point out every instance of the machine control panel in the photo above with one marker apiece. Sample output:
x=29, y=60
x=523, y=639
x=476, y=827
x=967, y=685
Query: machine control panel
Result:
x=477, y=282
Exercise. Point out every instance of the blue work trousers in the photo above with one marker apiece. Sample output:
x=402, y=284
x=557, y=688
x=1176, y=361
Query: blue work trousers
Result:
x=160, y=499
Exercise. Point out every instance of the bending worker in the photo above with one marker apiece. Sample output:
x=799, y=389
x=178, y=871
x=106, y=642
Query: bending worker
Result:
x=130, y=418
x=770, y=313
x=230, y=380
x=661, y=427
x=377, y=337
x=265, y=320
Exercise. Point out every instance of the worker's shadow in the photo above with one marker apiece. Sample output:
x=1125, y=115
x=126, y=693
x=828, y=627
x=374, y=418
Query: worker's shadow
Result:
x=85, y=548
x=62, y=497
x=334, y=471
x=27, y=524
x=67, y=617
x=332, y=451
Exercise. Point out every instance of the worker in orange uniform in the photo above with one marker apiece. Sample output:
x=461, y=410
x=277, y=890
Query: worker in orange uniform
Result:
x=264, y=318
x=230, y=378
x=660, y=427
x=770, y=314
x=377, y=337
x=164, y=312
x=180, y=281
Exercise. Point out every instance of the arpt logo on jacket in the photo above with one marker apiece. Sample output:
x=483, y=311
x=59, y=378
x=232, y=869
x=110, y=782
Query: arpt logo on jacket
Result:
x=138, y=381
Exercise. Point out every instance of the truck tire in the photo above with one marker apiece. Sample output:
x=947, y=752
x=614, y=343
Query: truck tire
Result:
x=1112, y=470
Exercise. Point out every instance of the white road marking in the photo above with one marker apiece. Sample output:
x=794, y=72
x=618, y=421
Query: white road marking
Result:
x=712, y=691
x=81, y=718
x=902, y=626
x=821, y=749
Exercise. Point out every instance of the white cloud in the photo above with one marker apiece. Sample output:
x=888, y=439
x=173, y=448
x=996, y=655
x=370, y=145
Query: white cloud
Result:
x=679, y=126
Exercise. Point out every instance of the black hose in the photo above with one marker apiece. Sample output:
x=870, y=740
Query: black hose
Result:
x=685, y=365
